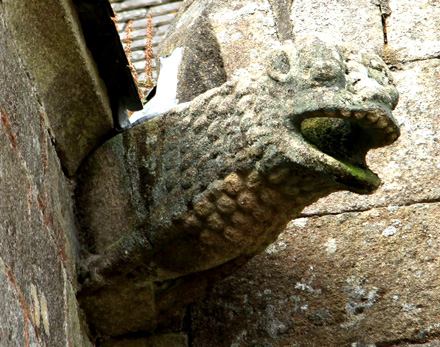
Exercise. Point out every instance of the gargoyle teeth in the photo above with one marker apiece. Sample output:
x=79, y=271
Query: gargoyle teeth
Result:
x=359, y=114
x=389, y=129
x=376, y=120
x=330, y=114
x=345, y=113
x=381, y=123
x=391, y=137
x=372, y=117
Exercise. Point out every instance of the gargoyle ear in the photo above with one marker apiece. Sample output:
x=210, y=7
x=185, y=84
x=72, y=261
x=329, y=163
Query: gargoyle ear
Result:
x=280, y=63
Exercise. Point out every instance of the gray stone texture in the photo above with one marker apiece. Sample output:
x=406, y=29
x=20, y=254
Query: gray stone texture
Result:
x=38, y=306
x=165, y=340
x=366, y=277
x=413, y=30
x=349, y=21
x=354, y=270
x=64, y=73
x=176, y=203
x=413, y=156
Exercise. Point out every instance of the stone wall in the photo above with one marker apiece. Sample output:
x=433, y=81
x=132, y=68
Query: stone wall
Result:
x=48, y=123
x=354, y=270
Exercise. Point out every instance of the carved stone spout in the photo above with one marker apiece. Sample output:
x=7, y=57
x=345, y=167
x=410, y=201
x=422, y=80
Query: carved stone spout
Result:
x=176, y=203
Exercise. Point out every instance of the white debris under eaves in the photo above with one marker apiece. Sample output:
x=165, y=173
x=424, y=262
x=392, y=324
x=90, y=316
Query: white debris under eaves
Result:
x=166, y=89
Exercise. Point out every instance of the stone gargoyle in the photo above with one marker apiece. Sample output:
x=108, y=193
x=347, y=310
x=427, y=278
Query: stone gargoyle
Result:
x=178, y=202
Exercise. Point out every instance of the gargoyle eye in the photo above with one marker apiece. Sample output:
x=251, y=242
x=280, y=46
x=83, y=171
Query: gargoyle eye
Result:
x=279, y=66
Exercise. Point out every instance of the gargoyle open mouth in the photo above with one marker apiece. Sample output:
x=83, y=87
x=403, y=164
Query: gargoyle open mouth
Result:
x=347, y=135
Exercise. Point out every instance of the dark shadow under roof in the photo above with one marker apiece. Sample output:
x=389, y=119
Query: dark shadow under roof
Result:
x=103, y=41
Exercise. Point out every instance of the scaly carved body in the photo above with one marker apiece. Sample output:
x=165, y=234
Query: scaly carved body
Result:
x=213, y=182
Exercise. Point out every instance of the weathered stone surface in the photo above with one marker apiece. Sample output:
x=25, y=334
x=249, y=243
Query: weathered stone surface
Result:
x=79, y=110
x=131, y=303
x=211, y=183
x=37, y=225
x=166, y=340
x=202, y=50
x=413, y=30
x=355, y=22
x=380, y=287
x=366, y=277
x=412, y=163
x=257, y=32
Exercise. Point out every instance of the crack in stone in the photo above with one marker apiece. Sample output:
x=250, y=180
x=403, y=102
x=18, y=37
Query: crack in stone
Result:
x=407, y=204
x=385, y=11
x=415, y=60
x=281, y=10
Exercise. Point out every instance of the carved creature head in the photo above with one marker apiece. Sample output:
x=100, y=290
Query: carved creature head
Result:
x=339, y=102
x=216, y=179
x=221, y=175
